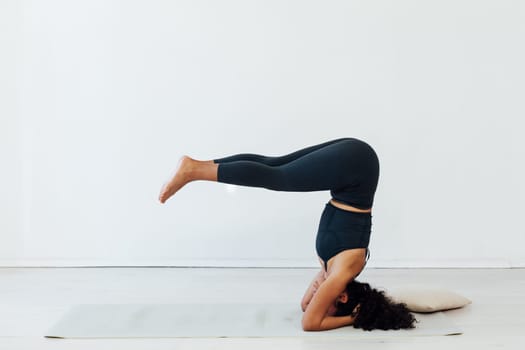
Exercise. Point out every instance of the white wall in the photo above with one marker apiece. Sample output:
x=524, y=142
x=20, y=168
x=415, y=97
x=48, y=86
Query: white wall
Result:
x=100, y=98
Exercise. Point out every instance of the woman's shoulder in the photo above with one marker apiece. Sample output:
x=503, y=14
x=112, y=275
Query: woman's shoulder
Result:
x=347, y=264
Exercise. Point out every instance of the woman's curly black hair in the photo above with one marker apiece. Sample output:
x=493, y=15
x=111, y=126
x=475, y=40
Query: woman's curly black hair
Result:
x=374, y=309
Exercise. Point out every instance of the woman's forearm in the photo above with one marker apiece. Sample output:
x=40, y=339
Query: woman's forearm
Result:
x=331, y=322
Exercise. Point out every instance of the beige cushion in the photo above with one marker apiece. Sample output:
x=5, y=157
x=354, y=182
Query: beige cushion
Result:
x=419, y=299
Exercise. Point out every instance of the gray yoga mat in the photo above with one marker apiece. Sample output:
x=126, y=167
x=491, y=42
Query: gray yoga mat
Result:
x=215, y=320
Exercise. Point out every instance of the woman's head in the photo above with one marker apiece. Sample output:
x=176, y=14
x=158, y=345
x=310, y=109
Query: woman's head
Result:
x=373, y=309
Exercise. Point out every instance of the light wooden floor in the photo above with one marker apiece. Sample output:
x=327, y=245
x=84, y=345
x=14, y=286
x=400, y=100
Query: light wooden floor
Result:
x=32, y=299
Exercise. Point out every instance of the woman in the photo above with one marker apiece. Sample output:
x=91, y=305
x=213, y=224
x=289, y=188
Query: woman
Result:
x=349, y=168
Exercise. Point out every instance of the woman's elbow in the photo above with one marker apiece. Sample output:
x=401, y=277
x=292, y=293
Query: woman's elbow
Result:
x=309, y=326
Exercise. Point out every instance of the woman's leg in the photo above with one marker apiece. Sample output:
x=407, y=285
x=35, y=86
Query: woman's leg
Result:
x=276, y=161
x=312, y=169
x=322, y=168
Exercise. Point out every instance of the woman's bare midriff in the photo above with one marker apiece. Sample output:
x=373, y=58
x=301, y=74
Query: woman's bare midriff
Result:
x=349, y=207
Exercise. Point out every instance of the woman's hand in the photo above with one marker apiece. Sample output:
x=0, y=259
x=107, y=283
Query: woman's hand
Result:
x=315, y=286
x=319, y=278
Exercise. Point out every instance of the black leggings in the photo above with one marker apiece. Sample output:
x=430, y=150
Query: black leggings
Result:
x=348, y=167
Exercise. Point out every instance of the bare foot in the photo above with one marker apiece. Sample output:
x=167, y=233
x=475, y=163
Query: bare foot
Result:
x=179, y=179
